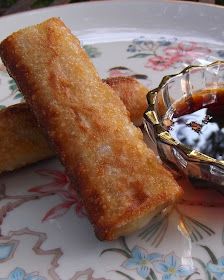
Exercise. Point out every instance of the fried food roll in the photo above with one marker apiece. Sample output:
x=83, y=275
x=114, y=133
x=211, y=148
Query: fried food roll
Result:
x=133, y=94
x=120, y=181
x=22, y=141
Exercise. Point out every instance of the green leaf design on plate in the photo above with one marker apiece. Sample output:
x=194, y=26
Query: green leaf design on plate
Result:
x=12, y=85
x=203, y=265
x=153, y=275
x=92, y=52
x=2, y=107
x=116, y=250
x=210, y=253
x=125, y=252
x=193, y=228
x=156, y=230
x=124, y=243
x=140, y=55
x=189, y=276
x=124, y=274
x=15, y=93
x=18, y=95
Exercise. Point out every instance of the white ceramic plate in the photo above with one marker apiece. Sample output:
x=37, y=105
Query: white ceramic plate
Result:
x=44, y=231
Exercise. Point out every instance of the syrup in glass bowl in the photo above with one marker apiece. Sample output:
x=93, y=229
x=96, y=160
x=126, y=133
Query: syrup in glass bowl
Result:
x=199, y=122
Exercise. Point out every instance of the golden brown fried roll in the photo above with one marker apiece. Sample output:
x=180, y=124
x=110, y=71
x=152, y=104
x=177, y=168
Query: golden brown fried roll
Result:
x=22, y=141
x=118, y=178
x=133, y=94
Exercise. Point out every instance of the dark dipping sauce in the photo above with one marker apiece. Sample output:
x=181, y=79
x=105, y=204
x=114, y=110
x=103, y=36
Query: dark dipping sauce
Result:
x=198, y=122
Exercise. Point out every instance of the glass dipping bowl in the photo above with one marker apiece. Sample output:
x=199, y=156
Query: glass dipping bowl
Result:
x=201, y=170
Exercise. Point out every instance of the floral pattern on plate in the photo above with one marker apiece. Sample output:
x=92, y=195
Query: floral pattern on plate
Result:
x=61, y=186
x=165, y=54
x=19, y=274
x=42, y=218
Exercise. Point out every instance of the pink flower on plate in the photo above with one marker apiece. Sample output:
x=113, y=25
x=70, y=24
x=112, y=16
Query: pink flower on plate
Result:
x=60, y=185
x=190, y=49
x=186, y=52
x=59, y=181
x=159, y=63
x=180, y=53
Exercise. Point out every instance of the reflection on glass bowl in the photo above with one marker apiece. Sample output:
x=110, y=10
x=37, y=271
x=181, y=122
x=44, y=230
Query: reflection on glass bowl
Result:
x=185, y=119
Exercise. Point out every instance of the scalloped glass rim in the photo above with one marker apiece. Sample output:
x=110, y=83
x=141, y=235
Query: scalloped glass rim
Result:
x=161, y=135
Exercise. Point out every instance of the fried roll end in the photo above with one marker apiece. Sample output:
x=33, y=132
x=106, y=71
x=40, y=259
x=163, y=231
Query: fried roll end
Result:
x=133, y=95
x=21, y=140
x=118, y=178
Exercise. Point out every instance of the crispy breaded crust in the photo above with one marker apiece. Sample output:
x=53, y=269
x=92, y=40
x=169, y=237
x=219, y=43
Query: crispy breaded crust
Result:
x=21, y=141
x=118, y=178
x=133, y=94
